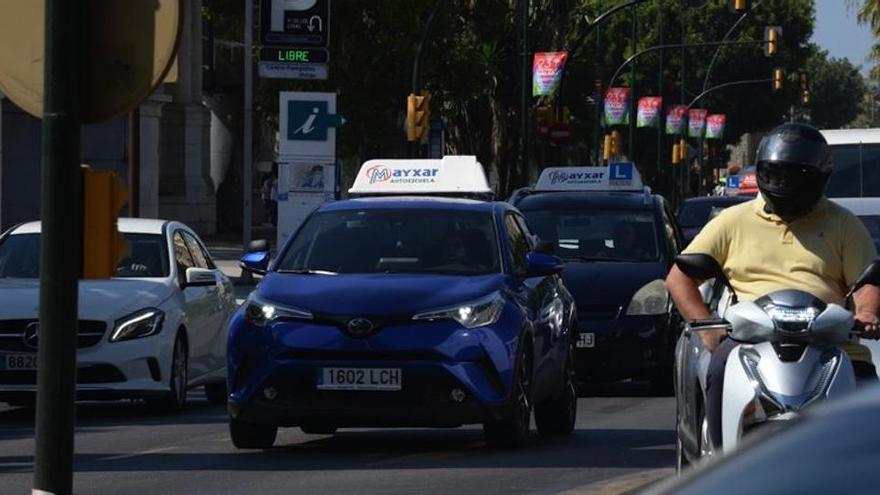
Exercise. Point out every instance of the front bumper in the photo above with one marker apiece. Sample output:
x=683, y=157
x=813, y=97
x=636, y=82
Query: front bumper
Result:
x=624, y=347
x=435, y=358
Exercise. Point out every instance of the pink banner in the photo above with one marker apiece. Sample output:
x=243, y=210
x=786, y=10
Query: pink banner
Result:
x=715, y=125
x=617, y=104
x=676, y=117
x=649, y=111
x=697, y=122
x=546, y=72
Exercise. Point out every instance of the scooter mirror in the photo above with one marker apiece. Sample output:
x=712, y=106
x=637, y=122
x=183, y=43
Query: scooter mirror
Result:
x=699, y=266
x=870, y=276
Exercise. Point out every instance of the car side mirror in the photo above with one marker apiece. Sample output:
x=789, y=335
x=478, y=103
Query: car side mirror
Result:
x=542, y=265
x=255, y=262
x=200, y=277
x=703, y=267
x=258, y=246
x=543, y=247
x=870, y=276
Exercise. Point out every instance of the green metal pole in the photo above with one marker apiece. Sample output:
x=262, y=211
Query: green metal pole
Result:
x=60, y=246
x=524, y=103
x=685, y=172
x=601, y=100
x=660, y=173
x=632, y=85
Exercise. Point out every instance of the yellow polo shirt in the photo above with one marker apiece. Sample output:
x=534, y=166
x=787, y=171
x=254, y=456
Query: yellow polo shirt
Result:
x=822, y=253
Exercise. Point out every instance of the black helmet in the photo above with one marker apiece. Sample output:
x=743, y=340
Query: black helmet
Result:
x=793, y=166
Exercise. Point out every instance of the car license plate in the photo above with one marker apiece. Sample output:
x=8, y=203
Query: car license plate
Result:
x=18, y=361
x=359, y=379
x=586, y=340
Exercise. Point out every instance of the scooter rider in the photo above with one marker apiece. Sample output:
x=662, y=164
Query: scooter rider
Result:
x=790, y=237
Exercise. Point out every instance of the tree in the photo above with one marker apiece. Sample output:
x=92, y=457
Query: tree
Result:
x=869, y=14
x=837, y=90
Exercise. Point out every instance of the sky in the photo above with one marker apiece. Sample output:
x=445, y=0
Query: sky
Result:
x=838, y=32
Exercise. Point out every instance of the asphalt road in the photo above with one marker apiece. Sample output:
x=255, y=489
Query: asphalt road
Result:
x=124, y=447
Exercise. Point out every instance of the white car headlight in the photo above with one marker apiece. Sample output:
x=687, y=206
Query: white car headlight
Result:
x=260, y=312
x=479, y=313
x=139, y=324
x=651, y=299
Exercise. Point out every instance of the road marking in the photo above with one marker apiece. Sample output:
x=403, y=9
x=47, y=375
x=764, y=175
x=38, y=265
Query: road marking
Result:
x=622, y=484
x=136, y=454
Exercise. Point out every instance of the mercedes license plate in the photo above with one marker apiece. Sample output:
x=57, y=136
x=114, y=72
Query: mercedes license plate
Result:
x=359, y=379
x=18, y=361
x=586, y=340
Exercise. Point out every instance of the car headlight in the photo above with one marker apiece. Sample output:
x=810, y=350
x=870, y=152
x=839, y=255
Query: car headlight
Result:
x=260, y=312
x=482, y=312
x=139, y=324
x=651, y=299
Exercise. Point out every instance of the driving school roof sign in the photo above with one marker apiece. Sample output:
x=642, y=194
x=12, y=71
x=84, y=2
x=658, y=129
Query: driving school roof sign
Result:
x=452, y=174
x=615, y=177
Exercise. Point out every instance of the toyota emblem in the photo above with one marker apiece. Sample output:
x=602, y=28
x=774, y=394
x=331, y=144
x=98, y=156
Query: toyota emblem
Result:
x=31, y=334
x=360, y=327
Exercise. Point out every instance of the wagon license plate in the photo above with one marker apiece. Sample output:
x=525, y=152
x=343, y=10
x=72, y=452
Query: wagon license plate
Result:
x=586, y=340
x=359, y=379
x=18, y=361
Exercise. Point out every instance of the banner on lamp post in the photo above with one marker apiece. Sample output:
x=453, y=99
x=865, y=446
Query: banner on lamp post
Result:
x=649, y=111
x=676, y=119
x=546, y=72
x=697, y=122
x=617, y=102
x=715, y=126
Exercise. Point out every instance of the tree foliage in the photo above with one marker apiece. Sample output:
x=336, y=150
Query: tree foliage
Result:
x=837, y=90
x=473, y=71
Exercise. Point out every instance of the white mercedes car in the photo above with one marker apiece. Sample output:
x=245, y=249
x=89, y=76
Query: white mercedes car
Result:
x=154, y=331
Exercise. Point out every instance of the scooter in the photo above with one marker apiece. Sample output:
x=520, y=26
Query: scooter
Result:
x=788, y=355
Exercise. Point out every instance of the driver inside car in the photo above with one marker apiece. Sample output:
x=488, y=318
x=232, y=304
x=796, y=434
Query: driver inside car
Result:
x=790, y=237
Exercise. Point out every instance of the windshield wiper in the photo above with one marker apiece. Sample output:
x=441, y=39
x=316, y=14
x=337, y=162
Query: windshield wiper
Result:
x=307, y=271
x=597, y=258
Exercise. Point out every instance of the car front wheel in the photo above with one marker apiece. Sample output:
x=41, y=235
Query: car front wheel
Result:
x=251, y=435
x=514, y=430
x=175, y=398
x=558, y=416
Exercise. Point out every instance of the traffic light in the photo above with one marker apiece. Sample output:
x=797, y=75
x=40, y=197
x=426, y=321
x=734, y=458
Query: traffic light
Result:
x=778, y=78
x=675, y=153
x=608, y=148
x=805, y=89
x=615, y=143
x=772, y=34
x=417, y=114
x=104, y=195
x=683, y=150
x=739, y=6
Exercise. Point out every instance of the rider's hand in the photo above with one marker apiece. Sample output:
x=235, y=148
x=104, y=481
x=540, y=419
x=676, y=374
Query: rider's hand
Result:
x=711, y=338
x=868, y=323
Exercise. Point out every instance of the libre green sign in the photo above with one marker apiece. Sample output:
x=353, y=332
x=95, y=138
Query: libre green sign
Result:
x=294, y=55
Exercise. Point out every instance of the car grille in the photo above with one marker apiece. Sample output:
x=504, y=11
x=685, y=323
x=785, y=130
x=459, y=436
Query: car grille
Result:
x=598, y=311
x=12, y=334
x=97, y=373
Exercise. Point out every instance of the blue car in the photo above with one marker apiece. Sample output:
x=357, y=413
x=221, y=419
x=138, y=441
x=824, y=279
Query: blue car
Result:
x=618, y=241
x=404, y=311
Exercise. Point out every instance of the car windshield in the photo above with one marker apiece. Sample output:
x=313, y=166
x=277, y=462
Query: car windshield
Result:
x=394, y=241
x=872, y=223
x=609, y=235
x=694, y=213
x=146, y=257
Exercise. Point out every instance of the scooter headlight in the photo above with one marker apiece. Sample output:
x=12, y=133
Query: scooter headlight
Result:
x=790, y=319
